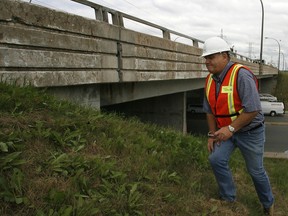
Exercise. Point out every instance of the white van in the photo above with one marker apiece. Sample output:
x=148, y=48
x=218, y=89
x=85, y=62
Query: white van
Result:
x=272, y=108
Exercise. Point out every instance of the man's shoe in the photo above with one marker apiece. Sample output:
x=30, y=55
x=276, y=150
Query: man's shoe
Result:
x=269, y=211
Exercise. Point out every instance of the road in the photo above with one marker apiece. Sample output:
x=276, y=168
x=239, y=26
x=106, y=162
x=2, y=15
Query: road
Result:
x=276, y=130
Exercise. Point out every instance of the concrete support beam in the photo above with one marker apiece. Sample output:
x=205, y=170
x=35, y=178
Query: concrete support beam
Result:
x=86, y=95
x=125, y=92
x=268, y=85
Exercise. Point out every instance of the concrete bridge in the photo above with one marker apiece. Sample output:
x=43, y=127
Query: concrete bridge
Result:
x=101, y=63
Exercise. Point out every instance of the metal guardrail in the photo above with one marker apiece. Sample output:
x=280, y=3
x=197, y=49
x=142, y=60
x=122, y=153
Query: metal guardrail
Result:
x=117, y=19
x=101, y=14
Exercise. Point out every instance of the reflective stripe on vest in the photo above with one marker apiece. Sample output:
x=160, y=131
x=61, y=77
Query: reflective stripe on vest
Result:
x=230, y=109
x=231, y=104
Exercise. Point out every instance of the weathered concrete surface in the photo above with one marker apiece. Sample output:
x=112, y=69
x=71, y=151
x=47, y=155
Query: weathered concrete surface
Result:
x=124, y=92
x=32, y=44
x=94, y=52
x=88, y=95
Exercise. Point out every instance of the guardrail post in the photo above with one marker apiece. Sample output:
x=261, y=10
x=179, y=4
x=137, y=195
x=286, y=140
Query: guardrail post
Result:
x=101, y=14
x=166, y=34
x=105, y=16
x=117, y=19
x=98, y=14
x=195, y=43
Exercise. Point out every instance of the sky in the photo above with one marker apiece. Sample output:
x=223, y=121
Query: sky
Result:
x=237, y=21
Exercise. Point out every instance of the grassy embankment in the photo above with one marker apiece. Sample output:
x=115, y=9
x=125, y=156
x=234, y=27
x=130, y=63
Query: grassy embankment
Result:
x=61, y=159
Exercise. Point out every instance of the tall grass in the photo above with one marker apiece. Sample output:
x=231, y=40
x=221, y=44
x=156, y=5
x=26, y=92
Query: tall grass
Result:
x=57, y=158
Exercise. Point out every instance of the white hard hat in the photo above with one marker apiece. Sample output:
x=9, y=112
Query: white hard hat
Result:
x=214, y=45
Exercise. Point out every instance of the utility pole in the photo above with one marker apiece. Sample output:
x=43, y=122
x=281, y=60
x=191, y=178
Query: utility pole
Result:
x=261, y=47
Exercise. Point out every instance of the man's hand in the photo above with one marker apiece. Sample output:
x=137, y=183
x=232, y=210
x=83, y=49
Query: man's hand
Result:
x=216, y=138
x=210, y=144
x=212, y=140
x=223, y=134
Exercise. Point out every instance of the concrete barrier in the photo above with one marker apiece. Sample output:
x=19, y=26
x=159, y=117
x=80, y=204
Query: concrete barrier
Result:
x=44, y=47
x=279, y=155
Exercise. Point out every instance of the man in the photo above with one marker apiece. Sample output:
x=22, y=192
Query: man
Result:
x=235, y=120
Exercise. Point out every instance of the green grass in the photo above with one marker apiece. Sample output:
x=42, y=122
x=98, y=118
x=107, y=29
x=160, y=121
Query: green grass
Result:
x=61, y=159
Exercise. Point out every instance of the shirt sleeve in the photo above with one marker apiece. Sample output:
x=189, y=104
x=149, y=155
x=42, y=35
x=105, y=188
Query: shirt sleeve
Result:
x=206, y=106
x=248, y=92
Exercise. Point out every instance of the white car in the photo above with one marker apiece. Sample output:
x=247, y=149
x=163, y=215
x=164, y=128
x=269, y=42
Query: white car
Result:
x=267, y=97
x=272, y=108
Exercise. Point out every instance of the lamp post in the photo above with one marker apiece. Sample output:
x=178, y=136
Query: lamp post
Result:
x=279, y=51
x=261, y=47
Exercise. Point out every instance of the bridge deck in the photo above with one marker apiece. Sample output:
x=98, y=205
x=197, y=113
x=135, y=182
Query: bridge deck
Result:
x=61, y=49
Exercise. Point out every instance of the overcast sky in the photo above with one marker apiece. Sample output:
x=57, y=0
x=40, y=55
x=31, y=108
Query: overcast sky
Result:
x=239, y=21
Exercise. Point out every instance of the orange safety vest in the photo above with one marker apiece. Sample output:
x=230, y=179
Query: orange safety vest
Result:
x=227, y=106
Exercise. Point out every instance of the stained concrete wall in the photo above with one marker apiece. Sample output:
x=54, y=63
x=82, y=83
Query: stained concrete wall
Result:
x=268, y=85
x=51, y=48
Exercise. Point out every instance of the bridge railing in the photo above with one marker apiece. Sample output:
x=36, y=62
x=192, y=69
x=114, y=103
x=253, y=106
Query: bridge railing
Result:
x=101, y=13
x=61, y=49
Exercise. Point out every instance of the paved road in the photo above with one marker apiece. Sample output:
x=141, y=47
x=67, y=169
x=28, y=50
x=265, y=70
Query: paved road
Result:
x=276, y=130
x=276, y=133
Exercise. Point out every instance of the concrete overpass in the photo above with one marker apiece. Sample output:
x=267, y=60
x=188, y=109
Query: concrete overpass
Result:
x=101, y=63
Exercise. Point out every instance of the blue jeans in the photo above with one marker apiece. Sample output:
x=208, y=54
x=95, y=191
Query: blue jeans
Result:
x=251, y=145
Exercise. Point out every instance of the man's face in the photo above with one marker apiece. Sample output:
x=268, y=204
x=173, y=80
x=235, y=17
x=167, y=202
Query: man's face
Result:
x=215, y=63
